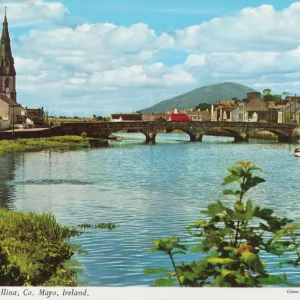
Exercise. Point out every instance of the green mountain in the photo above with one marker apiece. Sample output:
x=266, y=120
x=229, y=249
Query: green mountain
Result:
x=207, y=94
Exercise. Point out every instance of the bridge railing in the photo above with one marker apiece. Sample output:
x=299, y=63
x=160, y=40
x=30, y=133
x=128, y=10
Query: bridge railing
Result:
x=153, y=124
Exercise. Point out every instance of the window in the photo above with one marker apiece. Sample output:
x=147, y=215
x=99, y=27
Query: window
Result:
x=6, y=83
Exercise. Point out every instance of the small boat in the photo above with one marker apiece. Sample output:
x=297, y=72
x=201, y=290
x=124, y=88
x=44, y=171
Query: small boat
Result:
x=297, y=152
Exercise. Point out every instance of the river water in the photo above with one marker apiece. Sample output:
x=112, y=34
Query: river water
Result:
x=151, y=191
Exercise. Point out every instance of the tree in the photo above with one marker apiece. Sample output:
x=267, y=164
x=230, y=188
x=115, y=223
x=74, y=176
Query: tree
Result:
x=285, y=94
x=203, y=106
x=267, y=92
x=231, y=239
x=268, y=96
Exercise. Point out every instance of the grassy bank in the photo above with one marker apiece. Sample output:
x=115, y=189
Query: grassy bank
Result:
x=33, y=250
x=37, y=144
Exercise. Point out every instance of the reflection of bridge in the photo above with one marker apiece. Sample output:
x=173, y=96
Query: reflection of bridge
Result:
x=238, y=130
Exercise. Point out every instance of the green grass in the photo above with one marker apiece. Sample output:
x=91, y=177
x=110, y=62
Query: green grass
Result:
x=37, y=144
x=34, y=251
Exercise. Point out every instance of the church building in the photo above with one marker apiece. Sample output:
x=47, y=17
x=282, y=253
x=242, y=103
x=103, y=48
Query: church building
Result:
x=7, y=68
x=10, y=110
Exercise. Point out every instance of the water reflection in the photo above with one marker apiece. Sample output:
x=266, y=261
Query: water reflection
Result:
x=150, y=191
x=7, y=190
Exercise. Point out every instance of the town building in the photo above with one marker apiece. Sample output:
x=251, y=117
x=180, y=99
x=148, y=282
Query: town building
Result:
x=222, y=110
x=155, y=117
x=124, y=117
x=293, y=99
x=288, y=114
x=298, y=116
x=252, y=109
x=179, y=117
x=176, y=111
x=9, y=112
x=36, y=115
x=199, y=115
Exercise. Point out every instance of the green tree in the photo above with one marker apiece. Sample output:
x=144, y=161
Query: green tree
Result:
x=203, y=106
x=267, y=92
x=285, y=94
x=231, y=239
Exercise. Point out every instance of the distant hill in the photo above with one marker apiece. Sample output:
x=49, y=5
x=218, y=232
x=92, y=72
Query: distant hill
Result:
x=207, y=94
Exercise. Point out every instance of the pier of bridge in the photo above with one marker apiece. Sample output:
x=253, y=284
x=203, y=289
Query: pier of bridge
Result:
x=196, y=129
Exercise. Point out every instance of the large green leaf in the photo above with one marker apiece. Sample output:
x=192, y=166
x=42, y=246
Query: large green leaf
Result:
x=154, y=271
x=253, y=261
x=230, y=192
x=220, y=260
x=198, y=248
x=163, y=282
x=231, y=179
x=272, y=280
x=251, y=182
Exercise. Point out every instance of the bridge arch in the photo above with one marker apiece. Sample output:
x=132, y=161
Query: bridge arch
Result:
x=238, y=137
x=149, y=136
x=282, y=137
x=194, y=136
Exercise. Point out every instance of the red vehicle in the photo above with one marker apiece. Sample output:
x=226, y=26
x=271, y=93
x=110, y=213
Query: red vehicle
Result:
x=179, y=118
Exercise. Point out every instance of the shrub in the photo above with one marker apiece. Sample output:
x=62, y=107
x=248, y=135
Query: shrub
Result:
x=34, y=250
x=232, y=239
x=84, y=135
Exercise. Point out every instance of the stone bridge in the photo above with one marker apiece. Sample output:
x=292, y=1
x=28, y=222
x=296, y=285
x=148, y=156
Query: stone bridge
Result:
x=196, y=129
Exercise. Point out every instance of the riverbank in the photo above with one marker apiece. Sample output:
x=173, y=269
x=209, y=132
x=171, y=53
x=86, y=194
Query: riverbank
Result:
x=33, y=250
x=37, y=144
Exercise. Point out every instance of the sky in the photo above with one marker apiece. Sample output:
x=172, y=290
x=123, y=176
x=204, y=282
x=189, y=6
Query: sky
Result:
x=80, y=58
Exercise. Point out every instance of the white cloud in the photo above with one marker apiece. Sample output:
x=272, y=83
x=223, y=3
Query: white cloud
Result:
x=253, y=29
x=95, y=59
x=103, y=68
x=30, y=12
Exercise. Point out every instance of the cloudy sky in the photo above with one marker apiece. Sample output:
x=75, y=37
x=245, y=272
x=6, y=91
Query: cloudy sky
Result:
x=76, y=57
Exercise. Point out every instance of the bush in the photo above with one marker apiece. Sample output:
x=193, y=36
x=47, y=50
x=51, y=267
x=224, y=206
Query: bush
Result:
x=84, y=135
x=232, y=239
x=34, y=250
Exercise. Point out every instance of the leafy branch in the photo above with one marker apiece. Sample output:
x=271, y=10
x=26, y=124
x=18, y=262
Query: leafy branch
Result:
x=231, y=244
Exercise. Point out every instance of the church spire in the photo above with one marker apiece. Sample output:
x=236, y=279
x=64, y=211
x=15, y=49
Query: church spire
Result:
x=6, y=58
x=5, y=19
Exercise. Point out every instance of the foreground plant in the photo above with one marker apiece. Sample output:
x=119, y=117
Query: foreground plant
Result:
x=232, y=239
x=35, y=251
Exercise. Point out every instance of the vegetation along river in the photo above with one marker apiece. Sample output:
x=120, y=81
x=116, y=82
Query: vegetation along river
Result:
x=150, y=191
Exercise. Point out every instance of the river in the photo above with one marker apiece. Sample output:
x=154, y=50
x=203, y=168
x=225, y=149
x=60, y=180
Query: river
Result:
x=151, y=191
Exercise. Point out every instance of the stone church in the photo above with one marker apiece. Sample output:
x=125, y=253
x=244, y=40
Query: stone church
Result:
x=12, y=114
x=7, y=68
x=10, y=110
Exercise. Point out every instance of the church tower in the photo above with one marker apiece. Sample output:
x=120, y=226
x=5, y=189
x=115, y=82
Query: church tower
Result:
x=7, y=69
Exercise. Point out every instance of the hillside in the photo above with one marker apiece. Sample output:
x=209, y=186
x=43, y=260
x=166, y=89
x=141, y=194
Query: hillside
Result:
x=207, y=94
